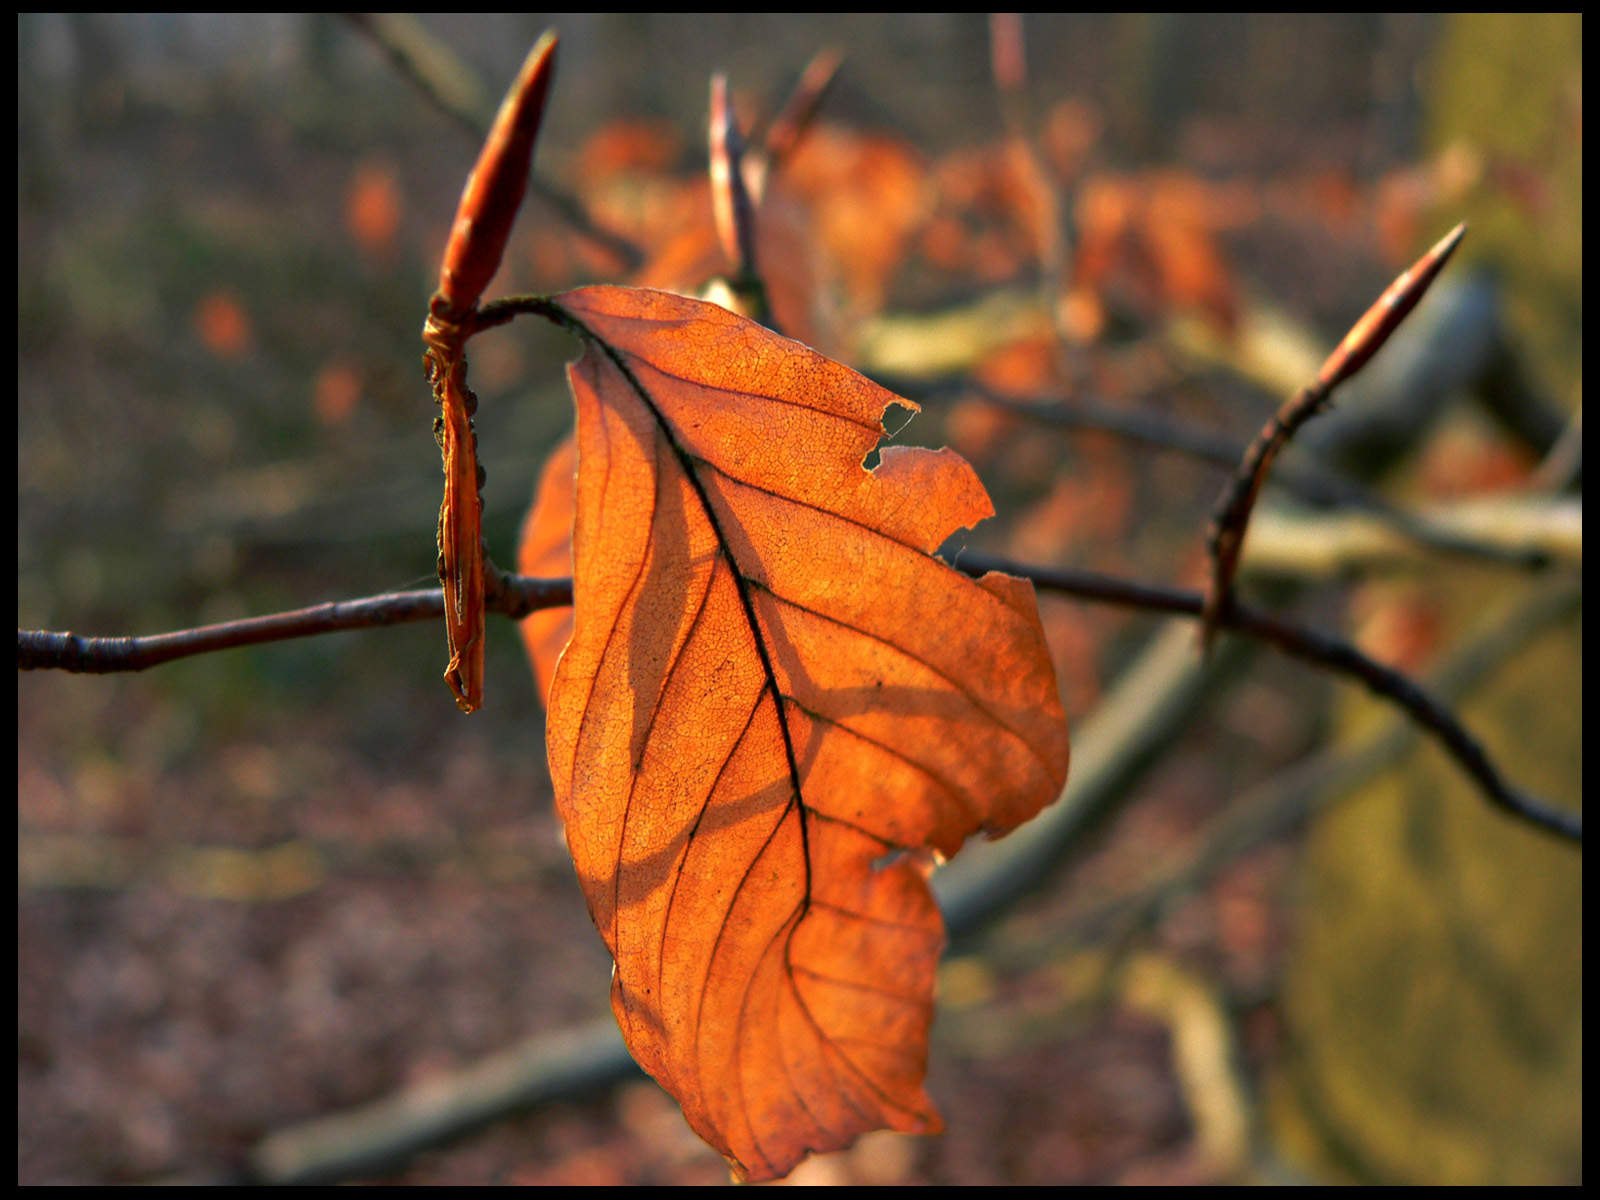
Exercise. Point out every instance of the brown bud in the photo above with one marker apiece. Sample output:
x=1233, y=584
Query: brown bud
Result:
x=494, y=190
x=1367, y=336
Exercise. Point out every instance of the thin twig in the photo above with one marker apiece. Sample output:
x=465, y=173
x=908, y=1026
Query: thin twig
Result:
x=1311, y=481
x=1008, y=61
x=730, y=199
x=515, y=596
x=742, y=290
x=1226, y=537
x=1286, y=801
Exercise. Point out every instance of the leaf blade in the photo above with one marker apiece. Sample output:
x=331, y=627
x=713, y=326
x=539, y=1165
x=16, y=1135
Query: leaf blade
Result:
x=544, y=550
x=772, y=687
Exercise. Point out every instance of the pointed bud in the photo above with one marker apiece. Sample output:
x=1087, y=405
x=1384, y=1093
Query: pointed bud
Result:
x=1367, y=336
x=494, y=190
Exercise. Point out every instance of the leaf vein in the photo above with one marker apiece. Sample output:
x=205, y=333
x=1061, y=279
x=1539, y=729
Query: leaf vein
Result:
x=955, y=684
x=857, y=985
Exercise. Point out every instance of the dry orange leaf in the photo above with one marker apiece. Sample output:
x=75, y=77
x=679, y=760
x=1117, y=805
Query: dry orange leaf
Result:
x=460, y=525
x=868, y=195
x=776, y=709
x=545, y=552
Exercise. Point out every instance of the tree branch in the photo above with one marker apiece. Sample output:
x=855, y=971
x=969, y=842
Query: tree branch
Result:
x=1309, y=645
x=789, y=127
x=1290, y=798
x=517, y=596
x=1303, y=477
x=37, y=650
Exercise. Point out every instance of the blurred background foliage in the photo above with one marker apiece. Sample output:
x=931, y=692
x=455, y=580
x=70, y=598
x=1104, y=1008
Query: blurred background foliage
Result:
x=1435, y=991
x=270, y=883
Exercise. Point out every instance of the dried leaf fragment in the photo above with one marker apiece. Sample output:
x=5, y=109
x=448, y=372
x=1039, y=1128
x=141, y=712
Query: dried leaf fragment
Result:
x=460, y=529
x=777, y=706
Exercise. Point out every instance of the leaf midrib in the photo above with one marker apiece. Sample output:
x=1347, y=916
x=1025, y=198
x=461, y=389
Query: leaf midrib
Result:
x=686, y=463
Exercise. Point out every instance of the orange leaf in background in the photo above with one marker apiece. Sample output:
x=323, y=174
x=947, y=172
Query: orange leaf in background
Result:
x=1070, y=133
x=777, y=708
x=1152, y=241
x=1090, y=505
x=997, y=213
x=335, y=392
x=372, y=206
x=674, y=219
x=977, y=429
x=620, y=170
x=546, y=553
x=1400, y=623
x=223, y=326
x=868, y=194
x=1032, y=199
x=1023, y=369
x=1465, y=456
x=624, y=146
